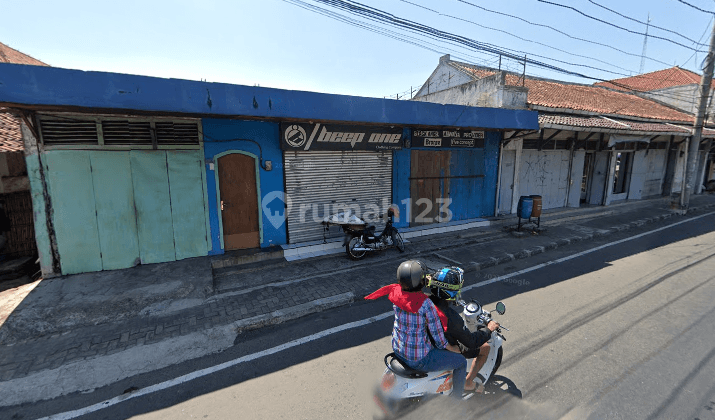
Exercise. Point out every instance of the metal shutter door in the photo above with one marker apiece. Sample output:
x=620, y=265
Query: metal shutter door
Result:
x=318, y=182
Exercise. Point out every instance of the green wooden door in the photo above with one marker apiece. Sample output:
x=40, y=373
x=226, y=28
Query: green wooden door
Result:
x=74, y=214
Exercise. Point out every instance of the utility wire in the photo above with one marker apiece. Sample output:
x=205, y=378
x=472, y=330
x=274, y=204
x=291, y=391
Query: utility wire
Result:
x=618, y=27
x=644, y=23
x=701, y=37
x=387, y=18
x=562, y=32
x=522, y=39
x=382, y=31
x=696, y=7
x=380, y=16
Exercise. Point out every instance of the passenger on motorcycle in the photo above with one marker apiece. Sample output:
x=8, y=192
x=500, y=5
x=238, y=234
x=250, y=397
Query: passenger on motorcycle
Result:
x=416, y=320
x=446, y=286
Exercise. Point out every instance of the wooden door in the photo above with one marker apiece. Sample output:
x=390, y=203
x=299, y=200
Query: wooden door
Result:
x=239, y=201
x=429, y=181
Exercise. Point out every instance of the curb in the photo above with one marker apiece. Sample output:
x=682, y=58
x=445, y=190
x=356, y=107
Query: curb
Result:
x=528, y=252
x=294, y=312
x=105, y=370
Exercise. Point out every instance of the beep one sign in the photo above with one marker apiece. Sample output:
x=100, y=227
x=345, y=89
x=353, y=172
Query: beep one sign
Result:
x=306, y=137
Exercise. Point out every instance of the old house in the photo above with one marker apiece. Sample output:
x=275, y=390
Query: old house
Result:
x=14, y=183
x=679, y=88
x=594, y=145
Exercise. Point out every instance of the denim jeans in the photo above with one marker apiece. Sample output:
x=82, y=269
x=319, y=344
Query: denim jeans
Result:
x=438, y=359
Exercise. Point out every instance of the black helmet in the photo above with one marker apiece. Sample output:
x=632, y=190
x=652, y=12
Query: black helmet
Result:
x=447, y=283
x=411, y=275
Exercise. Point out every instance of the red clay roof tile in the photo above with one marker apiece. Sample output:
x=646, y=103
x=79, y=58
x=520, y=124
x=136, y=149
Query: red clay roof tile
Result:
x=589, y=98
x=11, y=55
x=10, y=137
x=661, y=79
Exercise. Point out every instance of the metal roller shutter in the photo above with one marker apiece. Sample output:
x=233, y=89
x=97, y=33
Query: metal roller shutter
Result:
x=318, y=182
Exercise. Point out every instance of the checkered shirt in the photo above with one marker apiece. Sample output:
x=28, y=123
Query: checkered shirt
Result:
x=410, y=339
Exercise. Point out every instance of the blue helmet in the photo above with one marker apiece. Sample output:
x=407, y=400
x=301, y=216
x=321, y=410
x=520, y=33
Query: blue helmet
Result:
x=447, y=283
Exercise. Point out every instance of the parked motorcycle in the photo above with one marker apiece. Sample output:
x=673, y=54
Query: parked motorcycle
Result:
x=402, y=387
x=361, y=239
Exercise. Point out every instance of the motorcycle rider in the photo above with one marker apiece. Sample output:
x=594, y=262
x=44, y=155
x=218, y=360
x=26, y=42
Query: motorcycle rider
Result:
x=416, y=320
x=445, y=287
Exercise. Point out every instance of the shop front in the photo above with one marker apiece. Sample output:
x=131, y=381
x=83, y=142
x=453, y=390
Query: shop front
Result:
x=331, y=168
x=451, y=175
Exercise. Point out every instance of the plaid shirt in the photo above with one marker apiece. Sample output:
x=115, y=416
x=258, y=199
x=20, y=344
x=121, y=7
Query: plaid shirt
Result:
x=410, y=340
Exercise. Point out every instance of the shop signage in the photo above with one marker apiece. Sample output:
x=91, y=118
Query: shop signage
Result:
x=447, y=138
x=301, y=136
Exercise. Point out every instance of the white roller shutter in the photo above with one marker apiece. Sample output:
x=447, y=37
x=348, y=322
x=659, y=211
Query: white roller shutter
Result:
x=318, y=182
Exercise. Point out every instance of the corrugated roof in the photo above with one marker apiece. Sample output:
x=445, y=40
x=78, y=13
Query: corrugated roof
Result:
x=589, y=98
x=661, y=79
x=11, y=55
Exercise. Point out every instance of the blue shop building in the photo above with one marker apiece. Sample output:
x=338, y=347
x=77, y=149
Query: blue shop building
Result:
x=129, y=170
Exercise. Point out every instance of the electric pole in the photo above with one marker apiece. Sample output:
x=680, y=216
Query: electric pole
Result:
x=694, y=148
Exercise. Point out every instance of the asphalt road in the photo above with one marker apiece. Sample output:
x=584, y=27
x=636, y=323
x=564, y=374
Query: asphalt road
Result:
x=625, y=332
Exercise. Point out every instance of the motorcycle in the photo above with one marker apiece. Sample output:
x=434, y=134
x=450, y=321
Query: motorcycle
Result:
x=402, y=387
x=360, y=237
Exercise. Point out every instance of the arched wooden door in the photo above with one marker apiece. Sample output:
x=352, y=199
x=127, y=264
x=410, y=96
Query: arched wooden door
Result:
x=239, y=201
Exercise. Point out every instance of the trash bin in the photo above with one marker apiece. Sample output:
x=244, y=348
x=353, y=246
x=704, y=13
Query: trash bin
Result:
x=536, y=209
x=525, y=207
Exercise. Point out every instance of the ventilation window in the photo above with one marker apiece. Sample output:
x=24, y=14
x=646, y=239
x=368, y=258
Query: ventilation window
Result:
x=168, y=132
x=141, y=133
x=68, y=131
x=126, y=132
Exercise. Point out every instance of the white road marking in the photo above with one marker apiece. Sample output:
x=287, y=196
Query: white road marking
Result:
x=249, y=357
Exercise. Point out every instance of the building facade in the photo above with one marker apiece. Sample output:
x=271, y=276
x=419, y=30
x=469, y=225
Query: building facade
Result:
x=128, y=170
x=594, y=146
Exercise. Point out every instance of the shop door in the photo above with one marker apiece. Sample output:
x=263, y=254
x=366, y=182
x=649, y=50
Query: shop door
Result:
x=239, y=201
x=587, y=171
x=599, y=175
x=429, y=185
x=506, y=184
x=322, y=183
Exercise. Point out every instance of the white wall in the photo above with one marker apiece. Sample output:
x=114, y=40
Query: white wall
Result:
x=545, y=173
x=443, y=78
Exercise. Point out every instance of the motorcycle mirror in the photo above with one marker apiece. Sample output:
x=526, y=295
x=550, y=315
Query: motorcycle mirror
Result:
x=501, y=308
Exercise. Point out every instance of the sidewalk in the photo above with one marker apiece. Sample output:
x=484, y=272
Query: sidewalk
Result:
x=81, y=332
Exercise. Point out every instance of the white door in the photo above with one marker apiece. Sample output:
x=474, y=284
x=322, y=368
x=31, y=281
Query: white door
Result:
x=506, y=182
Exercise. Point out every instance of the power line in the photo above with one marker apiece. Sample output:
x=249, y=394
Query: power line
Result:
x=616, y=26
x=383, y=17
x=696, y=7
x=644, y=23
x=701, y=37
x=390, y=19
x=520, y=38
x=382, y=31
x=562, y=32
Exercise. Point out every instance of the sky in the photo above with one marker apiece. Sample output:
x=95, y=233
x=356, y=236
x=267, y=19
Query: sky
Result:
x=276, y=43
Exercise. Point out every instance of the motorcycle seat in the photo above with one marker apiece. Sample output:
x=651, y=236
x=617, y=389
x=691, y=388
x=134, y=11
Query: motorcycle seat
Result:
x=370, y=229
x=400, y=368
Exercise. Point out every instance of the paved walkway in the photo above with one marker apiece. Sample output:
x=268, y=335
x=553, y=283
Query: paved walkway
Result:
x=59, y=323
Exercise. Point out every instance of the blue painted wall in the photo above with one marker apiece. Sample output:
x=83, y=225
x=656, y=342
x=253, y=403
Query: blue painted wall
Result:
x=491, y=168
x=471, y=197
x=37, y=85
x=216, y=133
x=400, y=180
